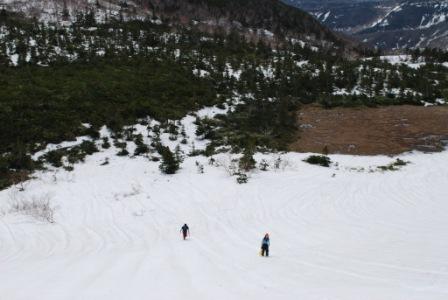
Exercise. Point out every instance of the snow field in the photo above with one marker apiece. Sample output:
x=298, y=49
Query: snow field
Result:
x=116, y=232
x=336, y=233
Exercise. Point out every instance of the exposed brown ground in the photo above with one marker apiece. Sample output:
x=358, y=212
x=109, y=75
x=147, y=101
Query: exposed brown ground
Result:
x=370, y=131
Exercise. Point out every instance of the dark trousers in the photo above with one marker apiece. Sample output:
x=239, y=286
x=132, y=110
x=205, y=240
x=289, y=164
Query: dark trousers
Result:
x=184, y=233
x=265, y=250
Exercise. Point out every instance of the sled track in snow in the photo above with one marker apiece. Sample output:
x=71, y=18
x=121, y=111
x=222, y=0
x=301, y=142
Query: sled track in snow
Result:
x=356, y=235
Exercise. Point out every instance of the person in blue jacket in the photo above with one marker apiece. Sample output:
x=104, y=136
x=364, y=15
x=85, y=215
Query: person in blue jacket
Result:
x=265, y=245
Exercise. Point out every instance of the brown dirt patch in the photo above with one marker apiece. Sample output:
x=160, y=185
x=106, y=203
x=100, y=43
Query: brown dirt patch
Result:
x=370, y=131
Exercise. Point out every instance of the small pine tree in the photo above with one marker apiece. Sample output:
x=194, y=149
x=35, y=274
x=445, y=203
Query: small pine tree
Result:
x=141, y=149
x=277, y=163
x=264, y=165
x=200, y=167
x=210, y=150
x=241, y=178
x=183, y=132
x=123, y=152
x=169, y=164
x=106, y=143
x=247, y=162
x=179, y=154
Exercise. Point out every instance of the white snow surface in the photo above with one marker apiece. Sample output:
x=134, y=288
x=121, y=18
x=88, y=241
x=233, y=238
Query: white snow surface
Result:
x=336, y=233
x=402, y=59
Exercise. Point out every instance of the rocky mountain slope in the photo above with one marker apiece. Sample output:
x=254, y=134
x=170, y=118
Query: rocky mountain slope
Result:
x=387, y=24
x=268, y=18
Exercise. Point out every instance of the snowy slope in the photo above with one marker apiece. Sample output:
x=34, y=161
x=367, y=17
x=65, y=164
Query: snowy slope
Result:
x=387, y=24
x=60, y=11
x=336, y=233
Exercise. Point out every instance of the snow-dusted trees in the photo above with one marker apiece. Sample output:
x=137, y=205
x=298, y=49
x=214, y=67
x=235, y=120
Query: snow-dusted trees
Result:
x=170, y=163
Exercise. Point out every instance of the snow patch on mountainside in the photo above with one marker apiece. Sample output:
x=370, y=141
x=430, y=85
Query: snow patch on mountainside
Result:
x=383, y=20
x=65, y=12
x=436, y=19
x=402, y=59
x=386, y=24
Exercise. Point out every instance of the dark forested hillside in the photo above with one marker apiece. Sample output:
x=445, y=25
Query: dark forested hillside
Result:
x=250, y=16
x=271, y=15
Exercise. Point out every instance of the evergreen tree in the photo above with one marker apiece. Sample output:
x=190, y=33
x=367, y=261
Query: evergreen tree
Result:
x=169, y=163
x=247, y=161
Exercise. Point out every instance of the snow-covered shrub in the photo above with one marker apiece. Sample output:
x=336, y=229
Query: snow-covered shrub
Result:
x=194, y=151
x=172, y=129
x=105, y=162
x=230, y=165
x=277, y=163
x=183, y=133
x=129, y=133
x=123, y=152
x=78, y=153
x=37, y=207
x=58, y=158
x=320, y=160
x=156, y=129
x=122, y=147
x=119, y=144
x=69, y=168
x=88, y=148
x=200, y=167
x=247, y=161
x=394, y=166
x=54, y=158
x=141, y=147
x=210, y=150
x=264, y=165
x=241, y=178
x=205, y=128
x=105, y=144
